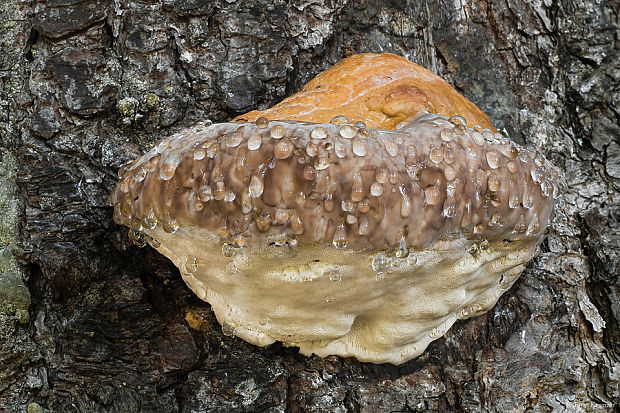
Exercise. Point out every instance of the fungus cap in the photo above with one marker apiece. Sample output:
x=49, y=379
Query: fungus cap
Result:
x=381, y=90
x=338, y=238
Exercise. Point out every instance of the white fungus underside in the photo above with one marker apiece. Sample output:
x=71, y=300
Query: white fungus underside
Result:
x=282, y=293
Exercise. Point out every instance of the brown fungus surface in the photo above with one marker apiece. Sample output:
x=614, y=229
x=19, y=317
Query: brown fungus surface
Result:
x=336, y=238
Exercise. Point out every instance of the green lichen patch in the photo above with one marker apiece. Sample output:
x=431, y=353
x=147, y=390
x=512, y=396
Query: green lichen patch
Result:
x=14, y=295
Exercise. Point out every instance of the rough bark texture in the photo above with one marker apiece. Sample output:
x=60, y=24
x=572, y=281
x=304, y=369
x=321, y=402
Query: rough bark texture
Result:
x=100, y=325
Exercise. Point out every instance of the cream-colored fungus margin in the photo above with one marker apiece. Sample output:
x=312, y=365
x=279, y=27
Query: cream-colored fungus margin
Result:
x=330, y=301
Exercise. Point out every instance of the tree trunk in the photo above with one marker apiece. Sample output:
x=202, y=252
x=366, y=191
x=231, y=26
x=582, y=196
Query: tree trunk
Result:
x=89, y=322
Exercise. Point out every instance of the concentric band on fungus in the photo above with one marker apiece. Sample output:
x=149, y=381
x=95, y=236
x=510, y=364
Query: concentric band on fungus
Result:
x=339, y=238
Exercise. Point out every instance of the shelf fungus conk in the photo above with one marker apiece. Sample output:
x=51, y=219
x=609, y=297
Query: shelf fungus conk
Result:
x=361, y=217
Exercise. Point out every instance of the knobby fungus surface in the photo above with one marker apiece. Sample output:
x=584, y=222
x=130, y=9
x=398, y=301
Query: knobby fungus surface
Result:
x=381, y=90
x=336, y=237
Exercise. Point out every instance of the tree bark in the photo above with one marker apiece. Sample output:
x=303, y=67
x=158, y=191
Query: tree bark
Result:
x=89, y=322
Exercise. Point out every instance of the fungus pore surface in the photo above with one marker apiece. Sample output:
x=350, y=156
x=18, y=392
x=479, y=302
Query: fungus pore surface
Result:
x=337, y=237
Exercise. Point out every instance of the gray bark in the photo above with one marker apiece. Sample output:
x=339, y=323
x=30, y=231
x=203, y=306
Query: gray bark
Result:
x=89, y=322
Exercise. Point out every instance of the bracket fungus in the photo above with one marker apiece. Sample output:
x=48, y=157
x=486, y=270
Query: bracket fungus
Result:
x=361, y=217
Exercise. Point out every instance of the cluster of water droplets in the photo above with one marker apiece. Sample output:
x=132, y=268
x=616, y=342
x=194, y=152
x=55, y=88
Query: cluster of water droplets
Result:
x=501, y=153
x=386, y=261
